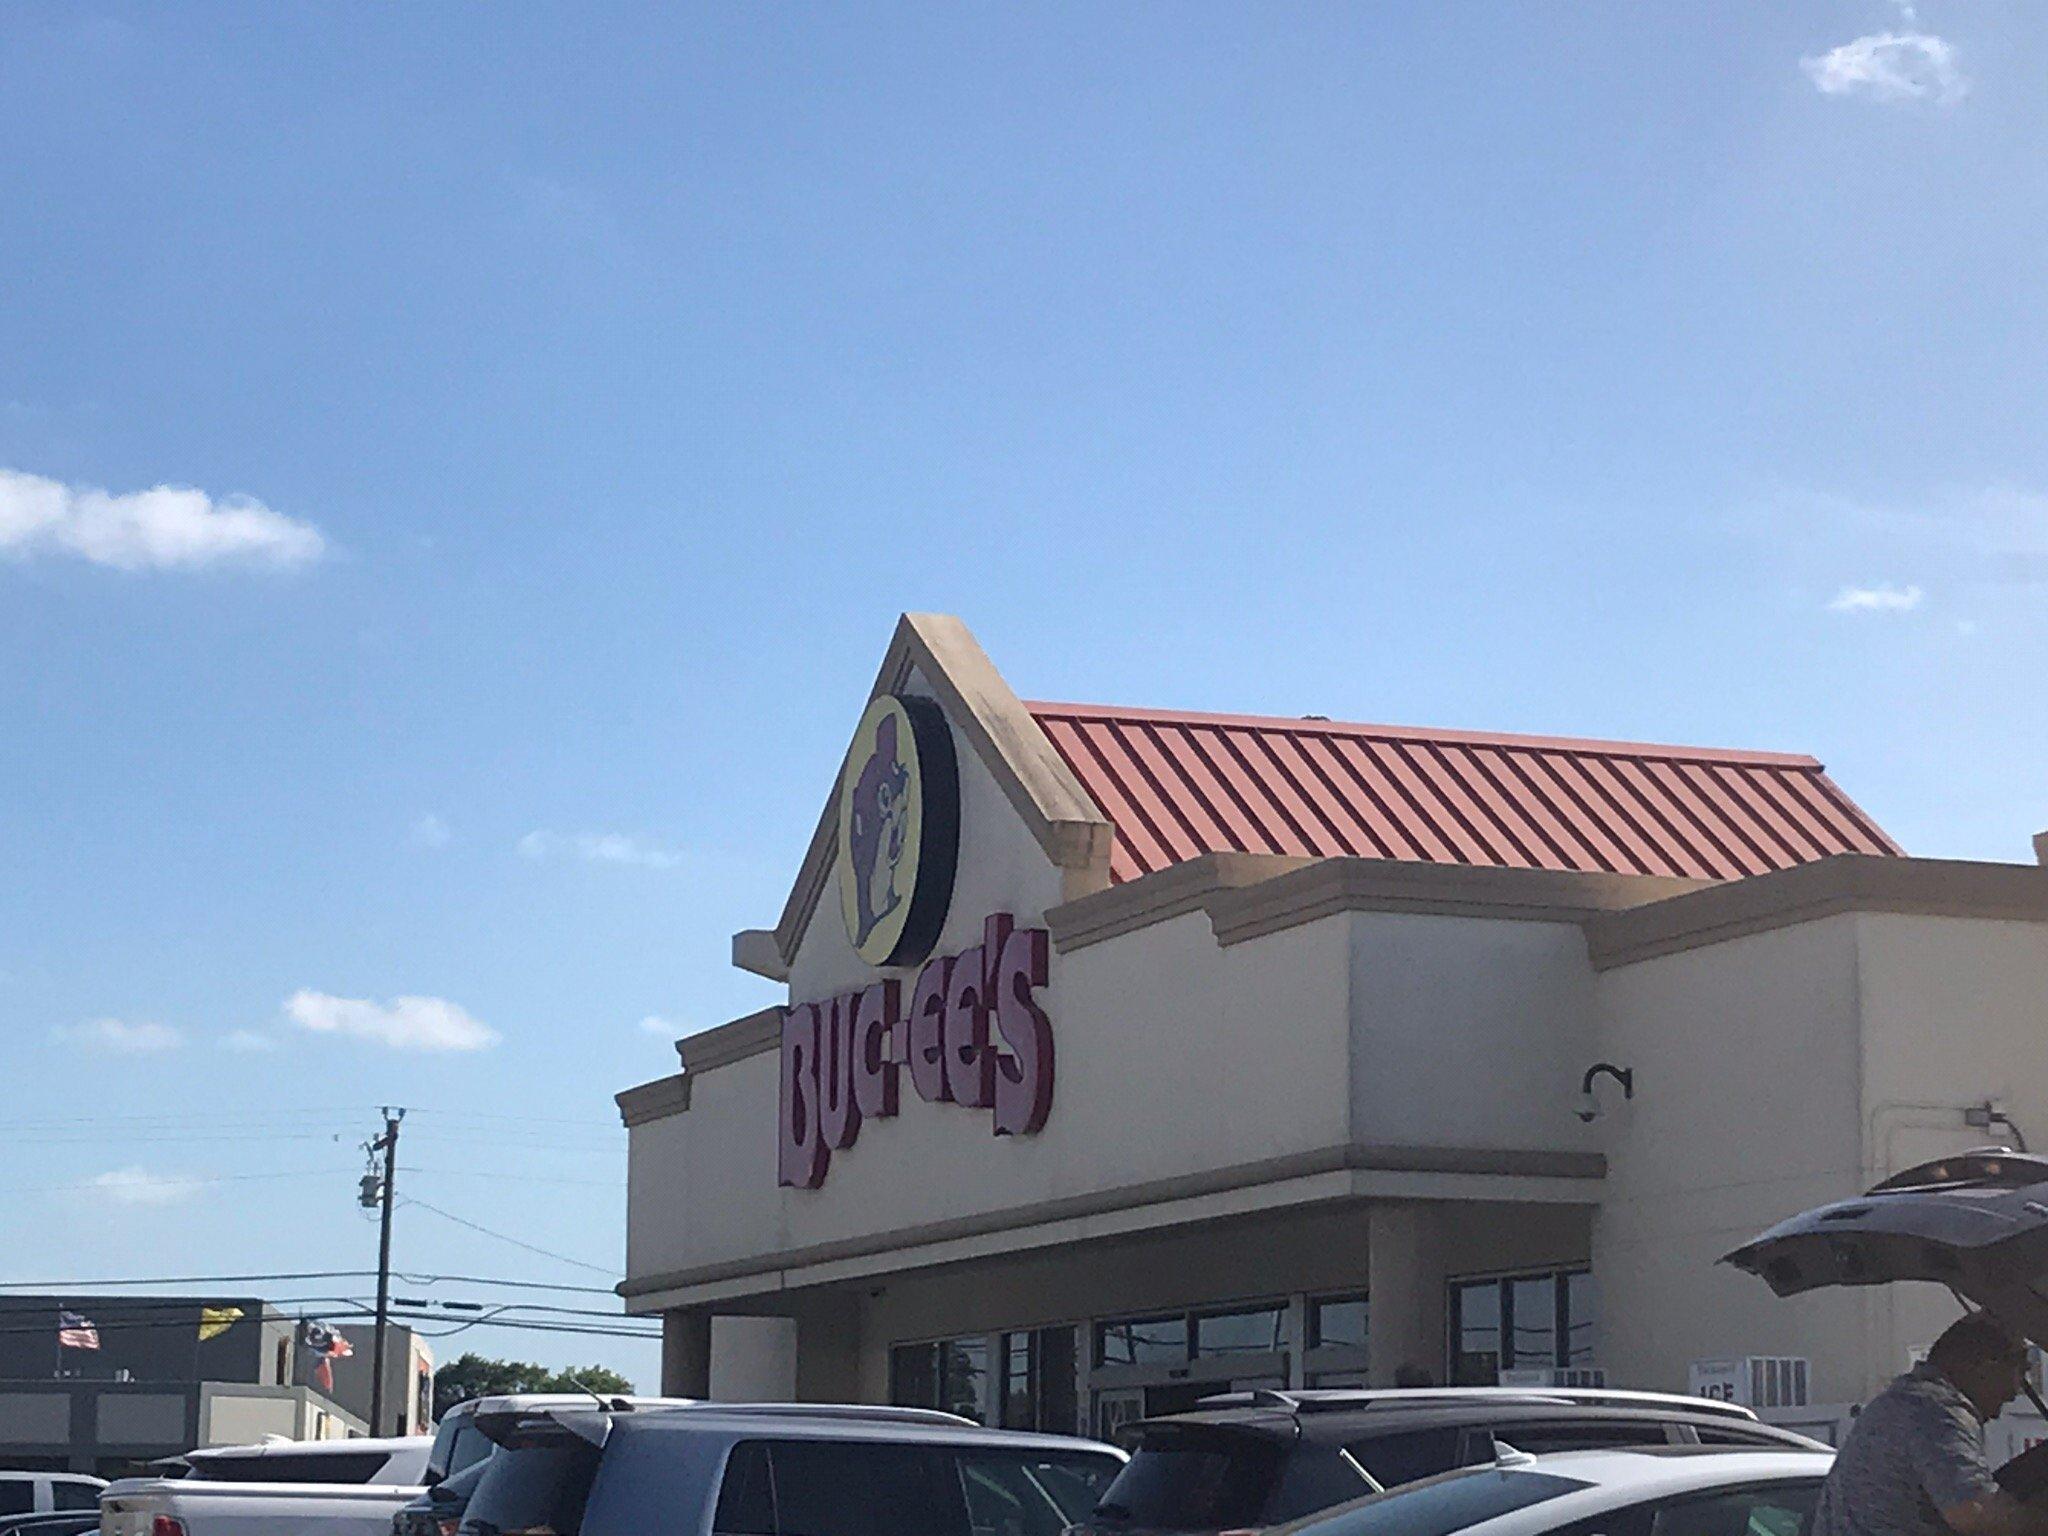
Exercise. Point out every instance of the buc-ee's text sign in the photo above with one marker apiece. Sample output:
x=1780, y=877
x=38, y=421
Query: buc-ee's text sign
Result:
x=973, y=1035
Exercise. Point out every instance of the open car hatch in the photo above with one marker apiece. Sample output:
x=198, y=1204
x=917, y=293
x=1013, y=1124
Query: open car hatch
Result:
x=1976, y=1223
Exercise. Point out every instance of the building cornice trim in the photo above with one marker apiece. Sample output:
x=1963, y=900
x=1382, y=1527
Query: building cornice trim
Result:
x=657, y=1100
x=754, y=1035
x=1496, y=1161
x=1247, y=896
x=1849, y=882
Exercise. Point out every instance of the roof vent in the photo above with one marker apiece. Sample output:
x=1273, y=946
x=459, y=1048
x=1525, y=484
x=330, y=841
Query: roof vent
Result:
x=2041, y=849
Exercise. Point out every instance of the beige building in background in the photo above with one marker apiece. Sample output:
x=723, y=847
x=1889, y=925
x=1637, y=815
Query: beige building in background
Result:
x=1323, y=1003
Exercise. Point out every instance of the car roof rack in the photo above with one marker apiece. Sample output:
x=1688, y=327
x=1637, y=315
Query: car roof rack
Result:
x=869, y=1412
x=1357, y=1399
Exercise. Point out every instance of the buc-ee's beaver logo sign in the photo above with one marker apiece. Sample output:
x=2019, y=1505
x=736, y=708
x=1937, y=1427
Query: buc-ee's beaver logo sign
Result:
x=899, y=830
x=973, y=1033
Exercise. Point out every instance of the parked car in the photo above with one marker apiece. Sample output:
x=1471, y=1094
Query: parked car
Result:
x=778, y=1470
x=70, y=1522
x=1653, y=1491
x=439, y=1510
x=24, y=1494
x=398, y=1460
x=312, y=1488
x=1246, y=1459
x=1976, y=1223
x=458, y=1443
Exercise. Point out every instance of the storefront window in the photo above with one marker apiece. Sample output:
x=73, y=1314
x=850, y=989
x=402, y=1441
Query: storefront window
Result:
x=1339, y=1322
x=1581, y=1306
x=1475, y=1334
x=914, y=1375
x=951, y=1374
x=1521, y=1322
x=963, y=1377
x=1142, y=1341
x=1040, y=1390
x=1532, y=1304
x=1254, y=1330
x=1023, y=1379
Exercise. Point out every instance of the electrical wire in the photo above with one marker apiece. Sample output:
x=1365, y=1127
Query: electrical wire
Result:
x=214, y=1282
x=463, y=1221
x=618, y=1184
x=169, y=1181
x=349, y=1312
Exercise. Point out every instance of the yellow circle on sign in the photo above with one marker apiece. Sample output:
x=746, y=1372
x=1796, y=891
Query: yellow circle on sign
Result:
x=881, y=830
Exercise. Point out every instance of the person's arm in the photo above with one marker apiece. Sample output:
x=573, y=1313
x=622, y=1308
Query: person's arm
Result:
x=1947, y=1448
x=1996, y=1514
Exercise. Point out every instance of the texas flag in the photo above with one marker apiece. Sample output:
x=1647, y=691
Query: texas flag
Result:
x=330, y=1346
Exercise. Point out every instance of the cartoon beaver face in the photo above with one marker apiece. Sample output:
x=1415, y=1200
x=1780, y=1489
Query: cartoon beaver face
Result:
x=879, y=813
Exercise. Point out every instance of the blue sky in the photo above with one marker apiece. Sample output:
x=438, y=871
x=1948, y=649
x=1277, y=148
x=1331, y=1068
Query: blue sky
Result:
x=565, y=400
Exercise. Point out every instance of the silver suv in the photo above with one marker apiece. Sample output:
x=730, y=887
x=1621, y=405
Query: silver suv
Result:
x=717, y=1469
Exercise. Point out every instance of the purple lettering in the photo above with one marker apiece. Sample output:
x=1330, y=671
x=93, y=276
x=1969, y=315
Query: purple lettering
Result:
x=928, y=1073
x=802, y=1156
x=877, y=1032
x=970, y=1065
x=1023, y=1079
x=973, y=1035
x=837, y=1110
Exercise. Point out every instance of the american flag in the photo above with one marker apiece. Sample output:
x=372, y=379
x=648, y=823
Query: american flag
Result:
x=76, y=1332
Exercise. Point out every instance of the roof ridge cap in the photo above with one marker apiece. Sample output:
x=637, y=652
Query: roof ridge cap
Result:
x=1510, y=740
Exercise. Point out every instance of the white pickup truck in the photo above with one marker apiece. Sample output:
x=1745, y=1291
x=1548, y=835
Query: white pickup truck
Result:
x=280, y=1488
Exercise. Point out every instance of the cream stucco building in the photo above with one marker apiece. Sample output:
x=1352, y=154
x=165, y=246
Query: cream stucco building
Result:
x=1321, y=1004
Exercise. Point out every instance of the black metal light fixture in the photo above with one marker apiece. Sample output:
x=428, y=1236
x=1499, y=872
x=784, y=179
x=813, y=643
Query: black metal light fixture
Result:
x=1589, y=1110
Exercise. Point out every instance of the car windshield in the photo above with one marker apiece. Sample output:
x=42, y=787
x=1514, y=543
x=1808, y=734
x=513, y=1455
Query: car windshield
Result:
x=1441, y=1505
x=1195, y=1484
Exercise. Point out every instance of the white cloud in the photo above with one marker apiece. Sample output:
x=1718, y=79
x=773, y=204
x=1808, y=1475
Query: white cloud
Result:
x=1882, y=598
x=655, y=1024
x=596, y=848
x=1890, y=66
x=167, y=528
x=430, y=831
x=404, y=1023
x=248, y=1040
x=138, y=1186
x=121, y=1037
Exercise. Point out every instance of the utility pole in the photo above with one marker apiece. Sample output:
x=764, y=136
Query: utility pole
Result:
x=378, y=1191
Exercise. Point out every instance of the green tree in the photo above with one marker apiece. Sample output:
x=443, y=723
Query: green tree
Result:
x=469, y=1376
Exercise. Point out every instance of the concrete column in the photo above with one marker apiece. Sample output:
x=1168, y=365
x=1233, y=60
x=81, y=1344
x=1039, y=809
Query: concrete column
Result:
x=686, y=1353
x=828, y=1348
x=1405, y=1278
x=753, y=1359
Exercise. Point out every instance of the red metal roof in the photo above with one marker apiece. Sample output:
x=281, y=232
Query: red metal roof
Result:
x=1180, y=785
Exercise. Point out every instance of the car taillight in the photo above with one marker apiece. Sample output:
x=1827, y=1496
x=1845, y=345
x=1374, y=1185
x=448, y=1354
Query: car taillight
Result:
x=166, y=1525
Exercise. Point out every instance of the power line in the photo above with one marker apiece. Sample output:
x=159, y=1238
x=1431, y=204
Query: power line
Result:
x=548, y=1253
x=363, y=1313
x=524, y=1178
x=215, y=1281
x=521, y=1285
x=173, y=1181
